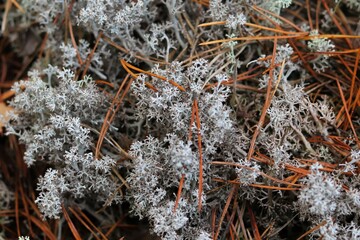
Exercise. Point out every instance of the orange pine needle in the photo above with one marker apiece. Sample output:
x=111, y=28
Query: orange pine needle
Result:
x=297, y=170
x=6, y=95
x=155, y=75
x=104, y=83
x=178, y=196
x=212, y=23
x=125, y=66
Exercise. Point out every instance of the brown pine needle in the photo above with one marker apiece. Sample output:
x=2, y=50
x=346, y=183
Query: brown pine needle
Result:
x=254, y=225
x=340, y=82
x=341, y=52
x=213, y=222
x=274, y=187
x=111, y=113
x=17, y=212
x=249, y=25
x=178, y=196
x=192, y=119
x=330, y=36
x=72, y=227
x=212, y=24
x=347, y=112
x=202, y=2
x=228, y=201
x=6, y=95
x=298, y=35
x=200, y=154
x=257, y=171
x=125, y=66
x=287, y=21
x=270, y=29
x=335, y=21
x=84, y=223
x=43, y=227
x=257, y=185
x=25, y=205
x=352, y=88
x=279, y=79
x=90, y=56
x=256, y=38
x=312, y=230
x=103, y=82
x=18, y=6
x=80, y=215
x=5, y=15
x=73, y=41
x=267, y=103
x=155, y=75
x=297, y=170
